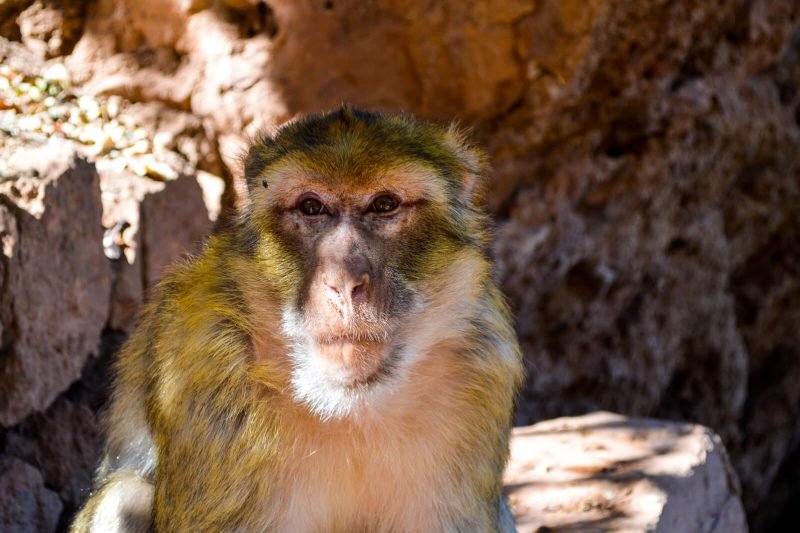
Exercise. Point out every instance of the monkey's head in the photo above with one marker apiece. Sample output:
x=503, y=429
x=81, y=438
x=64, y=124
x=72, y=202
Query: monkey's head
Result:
x=364, y=224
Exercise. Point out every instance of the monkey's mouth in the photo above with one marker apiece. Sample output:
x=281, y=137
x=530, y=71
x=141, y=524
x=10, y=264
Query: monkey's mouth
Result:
x=339, y=339
x=351, y=360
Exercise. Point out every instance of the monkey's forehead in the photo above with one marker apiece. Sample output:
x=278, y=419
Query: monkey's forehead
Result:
x=290, y=178
x=393, y=131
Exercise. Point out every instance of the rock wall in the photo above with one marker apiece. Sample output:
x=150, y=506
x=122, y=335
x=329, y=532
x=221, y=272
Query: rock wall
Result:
x=91, y=215
x=54, y=272
x=646, y=171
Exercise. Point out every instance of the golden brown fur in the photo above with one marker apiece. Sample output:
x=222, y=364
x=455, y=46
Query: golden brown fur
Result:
x=344, y=371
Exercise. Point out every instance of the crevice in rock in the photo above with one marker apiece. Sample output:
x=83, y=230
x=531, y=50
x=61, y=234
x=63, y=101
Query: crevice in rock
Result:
x=9, y=11
x=143, y=252
x=253, y=20
x=583, y=281
x=783, y=513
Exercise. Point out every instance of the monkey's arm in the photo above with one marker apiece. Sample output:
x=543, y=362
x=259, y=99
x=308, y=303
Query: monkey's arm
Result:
x=122, y=500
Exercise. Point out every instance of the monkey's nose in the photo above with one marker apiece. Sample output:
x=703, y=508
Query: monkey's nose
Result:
x=350, y=288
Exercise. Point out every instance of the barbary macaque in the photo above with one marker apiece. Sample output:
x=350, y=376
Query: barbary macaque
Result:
x=337, y=359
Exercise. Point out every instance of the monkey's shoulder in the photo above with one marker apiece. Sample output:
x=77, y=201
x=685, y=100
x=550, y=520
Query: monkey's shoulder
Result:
x=197, y=315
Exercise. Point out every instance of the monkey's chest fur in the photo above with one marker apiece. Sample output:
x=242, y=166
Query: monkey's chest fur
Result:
x=380, y=475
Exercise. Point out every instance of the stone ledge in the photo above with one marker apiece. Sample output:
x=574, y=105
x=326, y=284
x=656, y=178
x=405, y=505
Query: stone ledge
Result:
x=606, y=472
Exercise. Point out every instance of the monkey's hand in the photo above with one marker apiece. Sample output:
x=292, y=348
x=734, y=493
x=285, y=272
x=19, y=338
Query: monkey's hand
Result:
x=124, y=504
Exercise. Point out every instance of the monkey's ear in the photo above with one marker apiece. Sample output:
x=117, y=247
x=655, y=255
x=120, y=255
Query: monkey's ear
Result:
x=473, y=164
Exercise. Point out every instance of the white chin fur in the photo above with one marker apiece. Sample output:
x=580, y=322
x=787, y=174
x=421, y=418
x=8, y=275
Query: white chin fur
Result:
x=326, y=390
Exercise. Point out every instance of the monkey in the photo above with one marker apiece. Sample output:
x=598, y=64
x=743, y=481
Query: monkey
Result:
x=338, y=358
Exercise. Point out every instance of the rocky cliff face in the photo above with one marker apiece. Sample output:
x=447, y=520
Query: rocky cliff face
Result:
x=646, y=182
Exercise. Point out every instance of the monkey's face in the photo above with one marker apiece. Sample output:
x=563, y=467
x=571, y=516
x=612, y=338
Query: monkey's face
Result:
x=355, y=220
x=355, y=242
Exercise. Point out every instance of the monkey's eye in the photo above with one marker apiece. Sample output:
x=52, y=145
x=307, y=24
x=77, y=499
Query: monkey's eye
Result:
x=311, y=207
x=384, y=204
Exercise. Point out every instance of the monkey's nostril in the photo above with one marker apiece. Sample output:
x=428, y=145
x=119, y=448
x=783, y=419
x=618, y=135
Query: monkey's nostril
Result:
x=360, y=288
x=357, y=291
x=332, y=287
